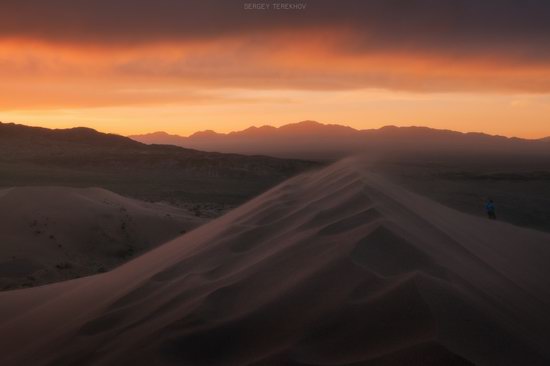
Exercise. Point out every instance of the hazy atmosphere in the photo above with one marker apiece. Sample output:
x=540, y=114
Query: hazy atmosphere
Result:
x=275, y=183
x=181, y=66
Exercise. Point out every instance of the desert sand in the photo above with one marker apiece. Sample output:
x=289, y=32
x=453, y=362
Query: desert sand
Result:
x=50, y=234
x=334, y=267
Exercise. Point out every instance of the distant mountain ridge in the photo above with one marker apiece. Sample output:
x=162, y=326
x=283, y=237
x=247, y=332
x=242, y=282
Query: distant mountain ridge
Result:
x=21, y=142
x=310, y=139
x=80, y=147
x=80, y=135
x=85, y=157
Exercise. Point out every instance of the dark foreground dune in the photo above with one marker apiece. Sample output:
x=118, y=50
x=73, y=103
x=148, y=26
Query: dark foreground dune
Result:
x=337, y=267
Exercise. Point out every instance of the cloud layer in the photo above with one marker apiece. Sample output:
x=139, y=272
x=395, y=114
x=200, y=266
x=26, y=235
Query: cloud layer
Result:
x=519, y=27
x=60, y=53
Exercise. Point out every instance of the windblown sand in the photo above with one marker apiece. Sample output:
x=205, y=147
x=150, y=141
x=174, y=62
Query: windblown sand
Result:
x=337, y=267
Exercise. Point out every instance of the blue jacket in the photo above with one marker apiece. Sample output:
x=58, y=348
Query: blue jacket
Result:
x=490, y=207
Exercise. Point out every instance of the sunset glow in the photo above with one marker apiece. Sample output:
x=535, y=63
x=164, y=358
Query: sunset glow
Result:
x=258, y=68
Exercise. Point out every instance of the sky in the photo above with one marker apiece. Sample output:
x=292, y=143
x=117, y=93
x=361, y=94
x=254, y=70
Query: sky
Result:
x=137, y=66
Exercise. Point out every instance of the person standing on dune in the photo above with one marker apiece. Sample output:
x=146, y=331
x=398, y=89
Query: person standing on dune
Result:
x=491, y=209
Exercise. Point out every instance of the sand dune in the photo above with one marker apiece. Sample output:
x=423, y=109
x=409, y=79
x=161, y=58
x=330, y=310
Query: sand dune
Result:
x=336, y=267
x=53, y=233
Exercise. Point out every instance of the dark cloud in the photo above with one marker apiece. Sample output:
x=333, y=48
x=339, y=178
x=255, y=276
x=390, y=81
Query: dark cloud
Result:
x=517, y=27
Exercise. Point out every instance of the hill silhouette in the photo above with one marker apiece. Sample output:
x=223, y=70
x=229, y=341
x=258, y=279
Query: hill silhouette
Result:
x=83, y=157
x=314, y=140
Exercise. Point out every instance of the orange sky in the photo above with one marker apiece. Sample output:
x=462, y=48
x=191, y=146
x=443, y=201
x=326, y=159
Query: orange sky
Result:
x=227, y=81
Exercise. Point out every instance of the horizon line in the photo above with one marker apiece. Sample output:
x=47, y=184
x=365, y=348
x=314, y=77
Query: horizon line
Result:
x=175, y=134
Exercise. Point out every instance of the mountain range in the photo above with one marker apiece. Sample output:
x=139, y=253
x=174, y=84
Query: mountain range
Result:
x=83, y=157
x=314, y=140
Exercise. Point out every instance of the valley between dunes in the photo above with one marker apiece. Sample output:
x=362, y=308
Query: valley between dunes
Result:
x=333, y=267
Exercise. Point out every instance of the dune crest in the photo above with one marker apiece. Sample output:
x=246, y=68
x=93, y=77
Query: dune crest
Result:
x=334, y=267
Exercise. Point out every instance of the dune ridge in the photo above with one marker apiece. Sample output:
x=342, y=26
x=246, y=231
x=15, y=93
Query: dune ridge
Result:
x=334, y=267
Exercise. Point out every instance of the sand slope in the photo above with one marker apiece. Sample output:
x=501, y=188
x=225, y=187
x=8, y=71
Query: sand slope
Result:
x=337, y=267
x=53, y=233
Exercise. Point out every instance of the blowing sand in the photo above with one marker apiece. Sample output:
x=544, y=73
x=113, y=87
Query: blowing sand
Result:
x=337, y=267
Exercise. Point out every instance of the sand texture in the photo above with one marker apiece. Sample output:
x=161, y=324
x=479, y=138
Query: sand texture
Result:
x=49, y=234
x=334, y=267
